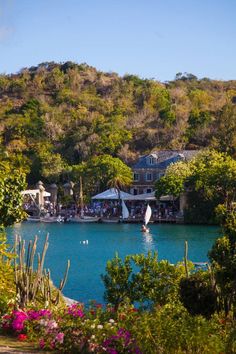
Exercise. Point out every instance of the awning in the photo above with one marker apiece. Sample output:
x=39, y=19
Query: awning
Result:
x=112, y=194
x=34, y=192
x=150, y=196
x=144, y=196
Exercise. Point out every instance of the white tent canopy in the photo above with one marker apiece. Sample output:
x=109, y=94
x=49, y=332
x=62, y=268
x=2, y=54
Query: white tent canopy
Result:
x=34, y=192
x=144, y=196
x=150, y=196
x=112, y=194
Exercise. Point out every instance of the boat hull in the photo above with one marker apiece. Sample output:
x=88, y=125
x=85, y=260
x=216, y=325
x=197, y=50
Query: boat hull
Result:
x=86, y=219
x=30, y=219
x=110, y=221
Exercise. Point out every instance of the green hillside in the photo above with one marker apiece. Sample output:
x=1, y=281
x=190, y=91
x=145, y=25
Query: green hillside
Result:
x=54, y=116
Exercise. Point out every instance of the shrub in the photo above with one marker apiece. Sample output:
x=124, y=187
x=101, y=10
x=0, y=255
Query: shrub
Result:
x=198, y=295
x=141, y=279
x=165, y=329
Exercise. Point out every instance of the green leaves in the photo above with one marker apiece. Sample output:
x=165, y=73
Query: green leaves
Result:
x=210, y=179
x=105, y=171
x=141, y=279
x=174, y=180
x=12, y=182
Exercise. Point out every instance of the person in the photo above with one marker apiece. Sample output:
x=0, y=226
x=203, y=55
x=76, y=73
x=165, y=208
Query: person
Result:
x=144, y=228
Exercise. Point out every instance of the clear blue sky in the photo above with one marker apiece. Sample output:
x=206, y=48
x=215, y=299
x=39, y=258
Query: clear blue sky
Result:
x=150, y=38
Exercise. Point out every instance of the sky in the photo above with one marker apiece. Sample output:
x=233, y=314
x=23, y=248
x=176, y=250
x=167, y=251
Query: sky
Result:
x=150, y=38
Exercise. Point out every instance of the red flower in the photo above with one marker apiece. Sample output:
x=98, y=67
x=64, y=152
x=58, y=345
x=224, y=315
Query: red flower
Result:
x=22, y=337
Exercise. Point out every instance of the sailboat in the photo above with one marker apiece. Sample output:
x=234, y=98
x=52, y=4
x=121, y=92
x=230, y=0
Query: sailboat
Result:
x=147, y=218
x=125, y=211
x=83, y=218
x=115, y=220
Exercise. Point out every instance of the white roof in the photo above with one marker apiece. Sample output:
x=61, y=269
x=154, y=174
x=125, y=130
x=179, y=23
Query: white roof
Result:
x=34, y=192
x=112, y=194
x=144, y=196
x=149, y=196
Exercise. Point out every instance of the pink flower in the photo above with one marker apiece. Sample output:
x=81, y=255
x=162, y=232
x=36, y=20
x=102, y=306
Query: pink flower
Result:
x=41, y=343
x=76, y=310
x=19, y=317
x=6, y=322
x=60, y=337
x=35, y=315
x=52, y=324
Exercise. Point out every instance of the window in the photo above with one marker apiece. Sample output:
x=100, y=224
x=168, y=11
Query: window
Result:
x=149, y=176
x=151, y=160
x=136, y=176
x=134, y=191
x=161, y=174
x=149, y=190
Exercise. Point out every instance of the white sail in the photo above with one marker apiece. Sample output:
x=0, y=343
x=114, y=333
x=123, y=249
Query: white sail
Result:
x=148, y=214
x=125, y=211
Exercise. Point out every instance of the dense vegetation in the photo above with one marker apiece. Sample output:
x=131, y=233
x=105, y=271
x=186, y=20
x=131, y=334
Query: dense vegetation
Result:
x=56, y=116
x=208, y=181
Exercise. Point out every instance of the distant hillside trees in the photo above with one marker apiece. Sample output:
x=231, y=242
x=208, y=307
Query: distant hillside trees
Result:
x=75, y=113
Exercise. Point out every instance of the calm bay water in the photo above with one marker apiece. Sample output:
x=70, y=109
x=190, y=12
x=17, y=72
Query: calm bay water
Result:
x=88, y=261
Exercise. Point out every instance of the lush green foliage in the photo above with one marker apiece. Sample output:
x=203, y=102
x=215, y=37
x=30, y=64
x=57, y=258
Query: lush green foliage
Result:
x=223, y=259
x=210, y=180
x=7, y=286
x=172, y=183
x=166, y=329
x=65, y=114
x=198, y=294
x=141, y=279
x=101, y=172
x=12, y=182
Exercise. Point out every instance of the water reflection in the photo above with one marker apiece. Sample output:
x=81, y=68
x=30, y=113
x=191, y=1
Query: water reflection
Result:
x=148, y=242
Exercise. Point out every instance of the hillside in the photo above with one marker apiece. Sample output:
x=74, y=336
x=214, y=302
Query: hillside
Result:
x=56, y=115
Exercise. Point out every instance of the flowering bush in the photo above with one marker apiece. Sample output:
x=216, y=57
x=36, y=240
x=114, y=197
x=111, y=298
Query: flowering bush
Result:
x=121, y=342
x=71, y=329
x=166, y=329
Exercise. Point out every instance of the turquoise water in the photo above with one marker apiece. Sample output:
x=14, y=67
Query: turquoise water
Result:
x=88, y=261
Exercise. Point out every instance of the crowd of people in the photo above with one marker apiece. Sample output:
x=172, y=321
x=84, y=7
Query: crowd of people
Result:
x=108, y=209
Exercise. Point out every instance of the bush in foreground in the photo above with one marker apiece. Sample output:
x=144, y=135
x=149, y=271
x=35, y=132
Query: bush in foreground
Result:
x=164, y=329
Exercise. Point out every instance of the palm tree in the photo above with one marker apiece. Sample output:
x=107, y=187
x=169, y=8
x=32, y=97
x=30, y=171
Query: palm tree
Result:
x=119, y=181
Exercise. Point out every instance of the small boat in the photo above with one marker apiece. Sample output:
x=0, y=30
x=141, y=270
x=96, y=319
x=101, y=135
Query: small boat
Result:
x=52, y=219
x=84, y=219
x=115, y=220
x=81, y=218
x=110, y=220
x=32, y=219
x=147, y=218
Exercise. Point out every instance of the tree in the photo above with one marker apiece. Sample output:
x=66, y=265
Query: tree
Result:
x=107, y=171
x=141, y=278
x=52, y=166
x=12, y=182
x=225, y=125
x=172, y=183
x=223, y=261
x=210, y=179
